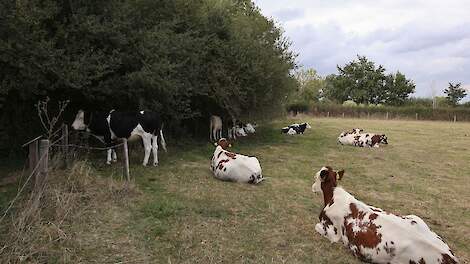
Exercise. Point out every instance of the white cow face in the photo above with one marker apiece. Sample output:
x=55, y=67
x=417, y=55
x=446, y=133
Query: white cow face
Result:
x=240, y=132
x=249, y=128
x=308, y=126
x=79, y=122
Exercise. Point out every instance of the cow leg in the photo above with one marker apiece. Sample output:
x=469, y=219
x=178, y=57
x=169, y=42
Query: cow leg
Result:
x=155, y=150
x=108, y=159
x=114, y=155
x=147, y=140
x=219, y=131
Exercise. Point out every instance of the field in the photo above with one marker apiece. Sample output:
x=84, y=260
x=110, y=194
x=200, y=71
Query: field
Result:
x=181, y=214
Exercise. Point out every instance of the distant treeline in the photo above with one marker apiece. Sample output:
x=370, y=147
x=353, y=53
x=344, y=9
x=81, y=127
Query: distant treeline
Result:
x=184, y=59
x=420, y=109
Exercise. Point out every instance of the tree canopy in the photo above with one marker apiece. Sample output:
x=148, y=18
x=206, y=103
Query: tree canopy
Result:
x=365, y=83
x=181, y=58
x=454, y=93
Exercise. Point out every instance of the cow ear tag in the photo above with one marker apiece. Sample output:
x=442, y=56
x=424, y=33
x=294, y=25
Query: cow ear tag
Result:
x=229, y=145
x=215, y=144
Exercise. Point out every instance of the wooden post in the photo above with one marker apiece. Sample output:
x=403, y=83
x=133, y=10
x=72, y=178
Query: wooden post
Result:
x=65, y=143
x=125, y=159
x=343, y=114
x=455, y=118
x=328, y=114
x=368, y=115
x=386, y=116
x=33, y=157
x=416, y=116
x=43, y=165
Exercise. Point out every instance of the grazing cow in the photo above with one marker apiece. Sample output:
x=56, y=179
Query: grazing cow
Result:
x=297, y=128
x=124, y=125
x=215, y=128
x=228, y=166
x=372, y=234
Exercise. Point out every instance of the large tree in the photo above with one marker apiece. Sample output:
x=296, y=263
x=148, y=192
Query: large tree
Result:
x=363, y=82
x=455, y=93
x=309, y=85
x=181, y=58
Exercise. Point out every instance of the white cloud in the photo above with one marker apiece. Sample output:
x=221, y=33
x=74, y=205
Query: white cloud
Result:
x=427, y=40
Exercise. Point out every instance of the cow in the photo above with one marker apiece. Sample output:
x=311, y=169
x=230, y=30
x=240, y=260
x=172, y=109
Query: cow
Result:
x=372, y=234
x=215, y=128
x=297, y=128
x=250, y=128
x=124, y=125
x=229, y=166
x=371, y=140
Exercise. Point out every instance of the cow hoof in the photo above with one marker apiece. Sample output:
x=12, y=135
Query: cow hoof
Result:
x=155, y=164
x=144, y=164
x=114, y=160
x=108, y=162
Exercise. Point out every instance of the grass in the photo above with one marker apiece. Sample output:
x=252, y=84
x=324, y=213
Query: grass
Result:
x=184, y=215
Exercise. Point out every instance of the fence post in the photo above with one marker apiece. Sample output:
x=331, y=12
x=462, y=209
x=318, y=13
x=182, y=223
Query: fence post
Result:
x=43, y=165
x=65, y=143
x=416, y=116
x=125, y=159
x=33, y=157
x=368, y=115
x=343, y=114
x=455, y=118
x=386, y=116
x=328, y=114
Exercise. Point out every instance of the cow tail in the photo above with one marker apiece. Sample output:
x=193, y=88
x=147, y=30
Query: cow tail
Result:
x=162, y=141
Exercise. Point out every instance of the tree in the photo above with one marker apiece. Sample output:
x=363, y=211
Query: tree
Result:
x=455, y=93
x=364, y=83
x=309, y=87
x=180, y=58
x=397, y=89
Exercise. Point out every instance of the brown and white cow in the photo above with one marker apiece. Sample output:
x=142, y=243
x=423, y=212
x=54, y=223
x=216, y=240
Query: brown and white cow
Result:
x=372, y=234
x=229, y=166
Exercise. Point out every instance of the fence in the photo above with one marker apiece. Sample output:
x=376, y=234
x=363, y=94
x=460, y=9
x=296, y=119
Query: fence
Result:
x=38, y=153
x=409, y=113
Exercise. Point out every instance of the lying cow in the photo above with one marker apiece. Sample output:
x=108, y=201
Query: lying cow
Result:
x=371, y=140
x=228, y=166
x=124, y=125
x=372, y=234
x=297, y=128
x=357, y=137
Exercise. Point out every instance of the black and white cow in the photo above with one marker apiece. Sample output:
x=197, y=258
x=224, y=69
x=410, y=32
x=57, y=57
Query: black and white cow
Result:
x=295, y=128
x=124, y=125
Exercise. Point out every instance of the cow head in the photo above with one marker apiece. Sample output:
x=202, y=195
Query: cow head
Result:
x=223, y=142
x=249, y=128
x=79, y=122
x=383, y=139
x=357, y=131
x=325, y=182
x=308, y=126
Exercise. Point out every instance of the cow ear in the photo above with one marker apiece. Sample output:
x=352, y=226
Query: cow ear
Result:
x=324, y=175
x=340, y=174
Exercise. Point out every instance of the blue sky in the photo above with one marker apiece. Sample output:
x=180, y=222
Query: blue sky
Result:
x=427, y=40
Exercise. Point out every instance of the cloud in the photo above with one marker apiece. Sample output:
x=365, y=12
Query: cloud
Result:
x=427, y=40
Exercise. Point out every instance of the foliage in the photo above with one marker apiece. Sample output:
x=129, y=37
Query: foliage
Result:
x=455, y=93
x=183, y=59
x=362, y=82
x=310, y=85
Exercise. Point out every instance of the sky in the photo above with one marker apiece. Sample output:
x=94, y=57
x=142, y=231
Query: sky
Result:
x=427, y=40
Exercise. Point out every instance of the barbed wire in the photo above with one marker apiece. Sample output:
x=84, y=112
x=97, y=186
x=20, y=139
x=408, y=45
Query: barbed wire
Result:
x=86, y=147
x=24, y=185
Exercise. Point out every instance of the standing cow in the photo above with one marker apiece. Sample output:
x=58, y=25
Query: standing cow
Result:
x=215, y=128
x=228, y=166
x=372, y=234
x=124, y=125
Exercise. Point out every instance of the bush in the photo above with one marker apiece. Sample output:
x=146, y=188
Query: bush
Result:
x=298, y=107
